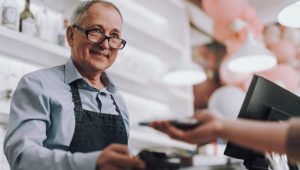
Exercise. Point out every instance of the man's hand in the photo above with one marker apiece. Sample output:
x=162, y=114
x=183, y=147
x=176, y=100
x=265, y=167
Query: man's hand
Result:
x=116, y=157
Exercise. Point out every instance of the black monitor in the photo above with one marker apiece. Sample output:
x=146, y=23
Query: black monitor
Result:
x=265, y=101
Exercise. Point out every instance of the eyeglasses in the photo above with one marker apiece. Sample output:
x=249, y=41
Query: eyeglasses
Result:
x=95, y=36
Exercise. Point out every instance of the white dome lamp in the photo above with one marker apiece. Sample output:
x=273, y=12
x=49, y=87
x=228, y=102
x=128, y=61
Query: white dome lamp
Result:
x=185, y=73
x=289, y=16
x=252, y=57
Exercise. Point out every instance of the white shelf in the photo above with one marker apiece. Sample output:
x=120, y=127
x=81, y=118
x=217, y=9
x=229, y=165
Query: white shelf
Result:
x=31, y=49
x=4, y=118
x=156, y=91
x=159, y=46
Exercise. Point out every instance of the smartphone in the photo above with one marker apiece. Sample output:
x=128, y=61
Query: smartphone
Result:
x=183, y=124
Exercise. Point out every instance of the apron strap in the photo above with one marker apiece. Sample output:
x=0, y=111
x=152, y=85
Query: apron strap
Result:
x=75, y=95
x=114, y=102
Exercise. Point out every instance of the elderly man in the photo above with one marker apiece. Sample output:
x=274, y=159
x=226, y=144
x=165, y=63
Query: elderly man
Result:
x=72, y=116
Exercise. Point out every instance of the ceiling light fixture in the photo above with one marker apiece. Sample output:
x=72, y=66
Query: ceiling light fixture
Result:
x=289, y=16
x=252, y=57
x=185, y=73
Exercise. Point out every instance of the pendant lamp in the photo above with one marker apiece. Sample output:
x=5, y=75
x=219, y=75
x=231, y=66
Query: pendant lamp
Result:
x=289, y=16
x=185, y=73
x=252, y=57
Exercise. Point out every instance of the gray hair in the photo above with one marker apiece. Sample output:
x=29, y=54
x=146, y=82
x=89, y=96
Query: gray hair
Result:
x=79, y=12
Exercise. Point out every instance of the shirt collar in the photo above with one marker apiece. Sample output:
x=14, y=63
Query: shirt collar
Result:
x=72, y=74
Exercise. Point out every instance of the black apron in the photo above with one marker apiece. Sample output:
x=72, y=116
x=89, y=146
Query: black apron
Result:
x=94, y=131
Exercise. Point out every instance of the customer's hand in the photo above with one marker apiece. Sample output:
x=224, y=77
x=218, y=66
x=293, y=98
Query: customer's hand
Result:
x=207, y=132
x=116, y=157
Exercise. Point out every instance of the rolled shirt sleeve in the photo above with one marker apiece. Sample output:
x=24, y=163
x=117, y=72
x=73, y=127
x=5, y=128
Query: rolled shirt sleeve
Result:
x=27, y=132
x=293, y=140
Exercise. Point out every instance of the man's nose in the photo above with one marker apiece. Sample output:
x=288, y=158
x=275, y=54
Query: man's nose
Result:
x=104, y=43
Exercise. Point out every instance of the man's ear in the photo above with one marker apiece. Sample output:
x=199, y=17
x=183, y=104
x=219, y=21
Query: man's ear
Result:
x=70, y=37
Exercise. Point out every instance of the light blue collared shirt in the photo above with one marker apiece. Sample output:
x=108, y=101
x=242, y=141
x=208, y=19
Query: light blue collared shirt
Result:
x=42, y=121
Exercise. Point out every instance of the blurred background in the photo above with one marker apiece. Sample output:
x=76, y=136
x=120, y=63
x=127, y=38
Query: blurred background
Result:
x=179, y=58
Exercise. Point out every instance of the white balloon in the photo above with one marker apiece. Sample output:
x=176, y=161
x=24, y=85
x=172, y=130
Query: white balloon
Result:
x=292, y=35
x=227, y=101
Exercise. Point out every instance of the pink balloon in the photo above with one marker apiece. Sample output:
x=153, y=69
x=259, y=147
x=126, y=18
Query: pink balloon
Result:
x=224, y=9
x=254, y=24
x=222, y=30
x=294, y=63
x=284, y=50
x=248, y=14
x=257, y=27
x=284, y=75
x=231, y=78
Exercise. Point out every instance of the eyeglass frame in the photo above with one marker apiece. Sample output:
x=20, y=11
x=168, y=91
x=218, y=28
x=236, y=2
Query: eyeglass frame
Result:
x=87, y=31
